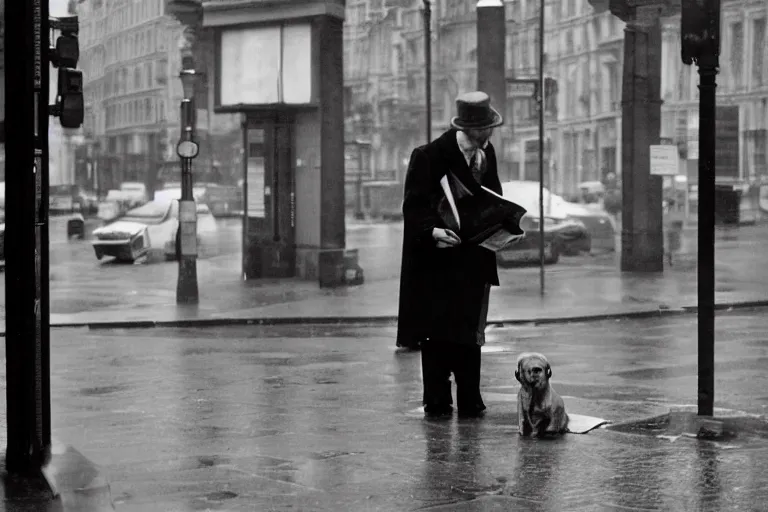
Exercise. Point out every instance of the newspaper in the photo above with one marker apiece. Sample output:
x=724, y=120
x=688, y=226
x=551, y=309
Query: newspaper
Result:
x=499, y=238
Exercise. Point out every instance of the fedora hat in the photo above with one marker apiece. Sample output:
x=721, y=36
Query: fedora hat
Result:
x=475, y=112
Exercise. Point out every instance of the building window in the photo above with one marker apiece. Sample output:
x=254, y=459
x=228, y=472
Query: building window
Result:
x=737, y=54
x=756, y=142
x=162, y=72
x=758, y=51
x=138, y=83
x=149, y=74
x=684, y=83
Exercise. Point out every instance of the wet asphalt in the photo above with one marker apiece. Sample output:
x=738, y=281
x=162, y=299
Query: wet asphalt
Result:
x=84, y=290
x=324, y=418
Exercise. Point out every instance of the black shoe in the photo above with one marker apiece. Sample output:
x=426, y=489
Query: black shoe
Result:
x=473, y=412
x=412, y=346
x=438, y=411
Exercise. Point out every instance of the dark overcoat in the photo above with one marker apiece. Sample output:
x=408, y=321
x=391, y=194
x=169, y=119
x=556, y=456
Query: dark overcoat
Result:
x=441, y=290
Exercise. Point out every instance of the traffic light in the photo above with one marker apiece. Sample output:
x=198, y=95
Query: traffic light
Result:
x=70, y=106
x=699, y=30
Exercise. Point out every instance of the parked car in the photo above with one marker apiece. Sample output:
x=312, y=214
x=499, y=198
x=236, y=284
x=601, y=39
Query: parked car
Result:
x=151, y=227
x=561, y=237
x=134, y=192
x=225, y=200
x=599, y=224
x=114, y=205
x=71, y=198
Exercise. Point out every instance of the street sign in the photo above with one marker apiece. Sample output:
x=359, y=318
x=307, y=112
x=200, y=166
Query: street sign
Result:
x=664, y=160
x=521, y=88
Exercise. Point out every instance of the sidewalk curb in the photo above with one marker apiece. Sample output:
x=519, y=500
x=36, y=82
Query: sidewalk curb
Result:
x=658, y=312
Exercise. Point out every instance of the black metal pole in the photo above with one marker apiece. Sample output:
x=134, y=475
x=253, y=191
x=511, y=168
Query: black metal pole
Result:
x=26, y=340
x=706, y=267
x=428, y=64
x=359, y=199
x=186, y=284
x=541, y=147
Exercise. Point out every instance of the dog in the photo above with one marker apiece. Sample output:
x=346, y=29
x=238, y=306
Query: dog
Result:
x=541, y=411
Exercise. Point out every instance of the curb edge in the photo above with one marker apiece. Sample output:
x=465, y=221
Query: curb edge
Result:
x=383, y=320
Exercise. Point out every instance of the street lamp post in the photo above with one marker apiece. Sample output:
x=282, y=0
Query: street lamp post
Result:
x=187, y=149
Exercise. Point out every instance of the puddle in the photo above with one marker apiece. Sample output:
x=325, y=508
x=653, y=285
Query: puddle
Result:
x=220, y=496
x=102, y=390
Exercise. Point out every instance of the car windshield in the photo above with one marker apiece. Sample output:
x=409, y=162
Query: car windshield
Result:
x=526, y=194
x=153, y=212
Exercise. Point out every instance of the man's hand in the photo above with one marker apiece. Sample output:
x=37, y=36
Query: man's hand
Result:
x=445, y=238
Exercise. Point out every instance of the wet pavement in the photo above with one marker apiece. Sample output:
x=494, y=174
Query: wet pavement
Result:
x=84, y=291
x=327, y=418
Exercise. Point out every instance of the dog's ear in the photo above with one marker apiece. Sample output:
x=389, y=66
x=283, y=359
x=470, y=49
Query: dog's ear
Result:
x=517, y=372
x=549, y=371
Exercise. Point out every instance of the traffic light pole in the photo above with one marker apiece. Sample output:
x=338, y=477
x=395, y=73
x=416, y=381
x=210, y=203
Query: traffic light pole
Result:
x=700, y=44
x=27, y=342
x=706, y=250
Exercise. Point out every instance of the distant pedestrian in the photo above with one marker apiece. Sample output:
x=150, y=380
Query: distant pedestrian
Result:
x=445, y=284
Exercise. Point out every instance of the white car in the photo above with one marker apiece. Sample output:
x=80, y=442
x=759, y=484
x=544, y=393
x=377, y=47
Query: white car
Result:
x=598, y=222
x=150, y=227
x=134, y=192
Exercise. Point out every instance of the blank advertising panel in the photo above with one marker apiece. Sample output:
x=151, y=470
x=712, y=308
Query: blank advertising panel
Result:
x=297, y=63
x=266, y=65
x=250, y=66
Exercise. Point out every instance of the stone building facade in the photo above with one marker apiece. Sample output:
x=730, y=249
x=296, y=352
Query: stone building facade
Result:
x=584, y=55
x=130, y=56
x=742, y=82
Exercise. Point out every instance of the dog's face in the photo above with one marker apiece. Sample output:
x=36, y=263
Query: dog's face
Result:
x=533, y=371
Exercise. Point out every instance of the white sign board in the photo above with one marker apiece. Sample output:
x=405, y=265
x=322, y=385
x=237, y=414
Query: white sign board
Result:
x=517, y=89
x=664, y=161
x=266, y=65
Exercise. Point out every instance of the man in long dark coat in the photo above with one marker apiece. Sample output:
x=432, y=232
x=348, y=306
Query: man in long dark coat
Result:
x=444, y=284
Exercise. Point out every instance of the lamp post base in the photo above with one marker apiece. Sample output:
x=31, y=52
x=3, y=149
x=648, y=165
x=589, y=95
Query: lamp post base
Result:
x=186, y=286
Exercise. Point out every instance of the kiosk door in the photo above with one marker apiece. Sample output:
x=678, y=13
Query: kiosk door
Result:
x=269, y=246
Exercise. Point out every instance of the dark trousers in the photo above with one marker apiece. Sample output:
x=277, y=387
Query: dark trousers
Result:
x=438, y=361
